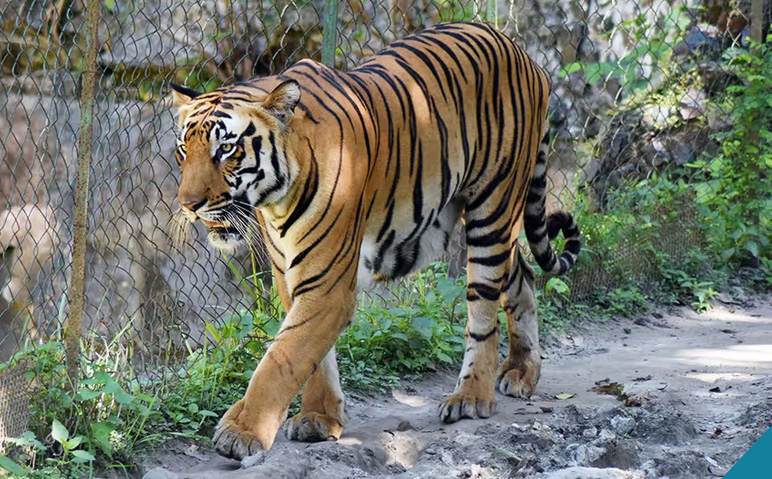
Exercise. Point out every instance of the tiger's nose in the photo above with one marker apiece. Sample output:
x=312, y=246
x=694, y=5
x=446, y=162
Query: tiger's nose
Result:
x=192, y=203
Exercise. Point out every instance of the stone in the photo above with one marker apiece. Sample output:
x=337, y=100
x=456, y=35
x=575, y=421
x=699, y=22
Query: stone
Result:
x=253, y=460
x=159, y=473
x=699, y=42
x=590, y=473
x=693, y=104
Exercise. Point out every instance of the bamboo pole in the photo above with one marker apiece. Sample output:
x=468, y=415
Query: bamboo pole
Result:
x=74, y=324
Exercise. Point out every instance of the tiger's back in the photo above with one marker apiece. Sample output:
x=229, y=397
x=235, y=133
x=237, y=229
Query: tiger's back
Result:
x=426, y=128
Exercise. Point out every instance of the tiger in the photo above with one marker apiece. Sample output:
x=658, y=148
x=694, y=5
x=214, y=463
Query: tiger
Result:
x=359, y=177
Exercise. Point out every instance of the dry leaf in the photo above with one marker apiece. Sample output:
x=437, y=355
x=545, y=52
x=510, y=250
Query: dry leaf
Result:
x=565, y=396
x=637, y=401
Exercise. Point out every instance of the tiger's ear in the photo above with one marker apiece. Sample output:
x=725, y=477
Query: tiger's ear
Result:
x=182, y=94
x=282, y=101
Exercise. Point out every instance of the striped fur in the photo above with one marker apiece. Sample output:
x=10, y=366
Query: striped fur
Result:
x=356, y=177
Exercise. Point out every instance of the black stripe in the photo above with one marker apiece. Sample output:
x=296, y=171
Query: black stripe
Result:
x=485, y=336
x=494, y=260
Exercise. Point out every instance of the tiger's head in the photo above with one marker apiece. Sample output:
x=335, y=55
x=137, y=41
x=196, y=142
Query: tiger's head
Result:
x=231, y=151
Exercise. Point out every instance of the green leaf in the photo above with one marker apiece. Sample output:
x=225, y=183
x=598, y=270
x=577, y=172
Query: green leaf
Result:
x=11, y=466
x=727, y=253
x=423, y=326
x=752, y=247
x=87, y=394
x=571, y=68
x=27, y=439
x=100, y=378
x=59, y=432
x=101, y=432
x=74, y=442
x=82, y=456
x=564, y=396
x=120, y=396
x=444, y=357
x=401, y=336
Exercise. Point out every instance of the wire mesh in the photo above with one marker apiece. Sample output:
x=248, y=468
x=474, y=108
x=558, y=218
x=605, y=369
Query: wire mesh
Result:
x=600, y=54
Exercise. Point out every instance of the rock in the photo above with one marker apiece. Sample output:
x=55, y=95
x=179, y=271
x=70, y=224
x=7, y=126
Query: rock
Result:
x=590, y=433
x=405, y=426
x=727, y=299
x=719, y=385
x=680, y=152
x=739, y=295
x=488, y=429
x=745, y=35
x=665, y=426
x=159, y=473
x=700, y=42
x=688, y=463
x=622, y=425
x=624, y=454
x=253, y=460
x=716, y=78
x=584, y=454
x=590, y=473
x=655, y=117
x=540, y=438
x=693, y=104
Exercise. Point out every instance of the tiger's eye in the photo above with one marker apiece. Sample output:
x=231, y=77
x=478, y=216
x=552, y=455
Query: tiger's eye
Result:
x=226, y=147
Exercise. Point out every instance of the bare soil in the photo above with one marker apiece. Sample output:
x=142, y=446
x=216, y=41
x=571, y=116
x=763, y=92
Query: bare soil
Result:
x=693, y=392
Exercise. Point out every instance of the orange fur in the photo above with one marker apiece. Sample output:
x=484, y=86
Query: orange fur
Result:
x=363, y=175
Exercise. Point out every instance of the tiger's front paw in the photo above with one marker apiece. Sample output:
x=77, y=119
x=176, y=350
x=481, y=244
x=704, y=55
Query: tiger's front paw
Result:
x=313, y=427
x=459, y=405
x=519, y=378
x=233, y=438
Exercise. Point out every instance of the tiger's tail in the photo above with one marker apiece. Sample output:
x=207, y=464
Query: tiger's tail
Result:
x=540, y=228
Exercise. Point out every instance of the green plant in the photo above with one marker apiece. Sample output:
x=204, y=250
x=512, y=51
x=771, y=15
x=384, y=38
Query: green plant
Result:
x=416, y=327
x=653, y=45
x=626, y=301
x=74, y=428
x=733, y=193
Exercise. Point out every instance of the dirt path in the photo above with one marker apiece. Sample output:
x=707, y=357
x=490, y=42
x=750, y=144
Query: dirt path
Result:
x=704, y=383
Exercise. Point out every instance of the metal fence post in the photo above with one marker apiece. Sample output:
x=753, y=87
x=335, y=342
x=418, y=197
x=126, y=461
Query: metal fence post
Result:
x=330, y=32
x=757, y=21
x=491, y=13
x=74, y=325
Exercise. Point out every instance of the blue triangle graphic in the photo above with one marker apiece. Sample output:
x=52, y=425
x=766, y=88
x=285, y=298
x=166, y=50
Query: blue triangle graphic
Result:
x=757, y=462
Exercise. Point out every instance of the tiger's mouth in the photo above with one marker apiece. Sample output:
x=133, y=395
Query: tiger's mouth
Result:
x=215, y=224
x=224, y=235
x=225, y=238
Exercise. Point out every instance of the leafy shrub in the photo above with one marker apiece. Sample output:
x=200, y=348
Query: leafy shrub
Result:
x=417, y=327
x=734, y=191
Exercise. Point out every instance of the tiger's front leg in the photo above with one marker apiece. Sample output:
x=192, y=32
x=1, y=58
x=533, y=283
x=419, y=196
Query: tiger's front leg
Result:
x=305, y=339
x=322, y=410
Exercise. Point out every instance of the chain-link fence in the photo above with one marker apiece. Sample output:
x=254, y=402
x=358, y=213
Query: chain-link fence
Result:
x=136, y=286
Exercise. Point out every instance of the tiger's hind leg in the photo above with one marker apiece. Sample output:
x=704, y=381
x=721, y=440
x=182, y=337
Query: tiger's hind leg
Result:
x=322, y=415
x=487, y=270
x=518, y=374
